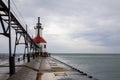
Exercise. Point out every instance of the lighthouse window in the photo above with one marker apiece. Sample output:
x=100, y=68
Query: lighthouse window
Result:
x=44, y=46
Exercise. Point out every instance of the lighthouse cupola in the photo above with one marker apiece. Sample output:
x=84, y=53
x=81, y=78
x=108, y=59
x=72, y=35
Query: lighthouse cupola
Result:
x=38, y=28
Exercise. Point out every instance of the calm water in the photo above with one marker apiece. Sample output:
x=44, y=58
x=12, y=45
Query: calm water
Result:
x=102, y=67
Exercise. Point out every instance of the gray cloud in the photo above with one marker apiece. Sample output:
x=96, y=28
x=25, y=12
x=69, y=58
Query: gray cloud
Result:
x=91, y=25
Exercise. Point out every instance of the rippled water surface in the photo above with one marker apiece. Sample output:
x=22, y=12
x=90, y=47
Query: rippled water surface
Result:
x=101, y=66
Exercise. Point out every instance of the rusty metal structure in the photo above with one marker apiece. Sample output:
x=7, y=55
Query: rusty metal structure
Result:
x=7, y=17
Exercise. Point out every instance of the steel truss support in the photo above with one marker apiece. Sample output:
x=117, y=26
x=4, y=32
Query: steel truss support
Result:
x=4, y=30
x=26, y=43
x=11, y=58
x=6, y=17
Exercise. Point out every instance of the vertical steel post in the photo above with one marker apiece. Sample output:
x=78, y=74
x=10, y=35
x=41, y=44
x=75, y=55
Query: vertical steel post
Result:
x=28, y=54
x=24, y=55
x=15, y=44
x=11, y=58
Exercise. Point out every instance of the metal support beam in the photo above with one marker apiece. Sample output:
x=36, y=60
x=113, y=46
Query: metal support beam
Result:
x=3, y=28
x=6, y=17
x=26, y=41
x=11, y=58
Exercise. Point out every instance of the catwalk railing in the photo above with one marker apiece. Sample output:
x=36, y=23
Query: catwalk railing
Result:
x=7, y=17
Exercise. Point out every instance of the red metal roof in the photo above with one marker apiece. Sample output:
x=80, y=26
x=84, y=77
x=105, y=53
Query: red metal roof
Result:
x=39, y=39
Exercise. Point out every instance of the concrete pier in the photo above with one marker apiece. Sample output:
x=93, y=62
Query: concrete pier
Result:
x=48, y=68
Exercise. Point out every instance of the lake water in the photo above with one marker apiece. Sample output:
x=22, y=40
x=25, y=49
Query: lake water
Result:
x=100, y=66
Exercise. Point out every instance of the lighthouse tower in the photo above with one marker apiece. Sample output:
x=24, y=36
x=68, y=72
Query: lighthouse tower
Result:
x=39, y=40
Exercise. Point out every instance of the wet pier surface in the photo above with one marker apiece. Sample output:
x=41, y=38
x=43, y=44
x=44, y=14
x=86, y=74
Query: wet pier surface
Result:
x=48, y=69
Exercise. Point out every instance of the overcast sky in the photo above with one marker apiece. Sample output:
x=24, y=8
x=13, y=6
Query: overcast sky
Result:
x=74, y=26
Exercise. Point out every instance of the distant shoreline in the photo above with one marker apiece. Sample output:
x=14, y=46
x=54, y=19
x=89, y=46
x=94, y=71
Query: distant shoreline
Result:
x=86, y=53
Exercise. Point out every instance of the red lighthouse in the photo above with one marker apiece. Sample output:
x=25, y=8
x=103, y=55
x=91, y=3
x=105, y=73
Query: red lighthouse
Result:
x=39, y=40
